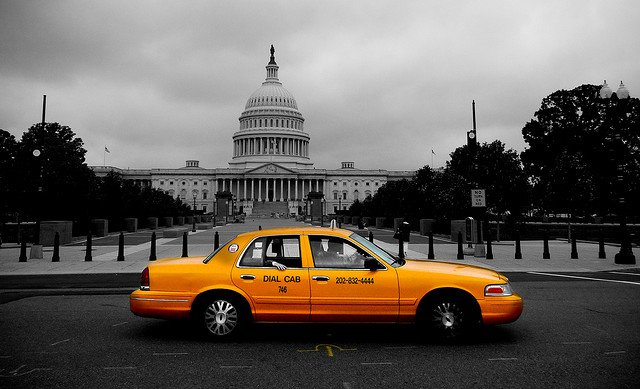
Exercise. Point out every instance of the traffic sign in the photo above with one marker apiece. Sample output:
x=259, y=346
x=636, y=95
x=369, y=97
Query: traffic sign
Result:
x=478, y=198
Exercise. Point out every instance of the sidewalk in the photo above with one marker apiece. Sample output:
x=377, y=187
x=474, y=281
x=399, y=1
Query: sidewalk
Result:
x=201, y=243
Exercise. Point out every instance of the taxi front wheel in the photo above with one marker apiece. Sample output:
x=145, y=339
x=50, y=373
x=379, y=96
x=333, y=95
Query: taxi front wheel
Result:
x=222, y=317
x=446, y=317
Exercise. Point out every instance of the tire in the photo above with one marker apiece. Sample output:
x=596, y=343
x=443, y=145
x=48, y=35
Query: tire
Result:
x=222, y=317
x=447, y=317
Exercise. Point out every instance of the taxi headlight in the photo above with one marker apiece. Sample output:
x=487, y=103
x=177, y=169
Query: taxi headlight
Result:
x=498, y=290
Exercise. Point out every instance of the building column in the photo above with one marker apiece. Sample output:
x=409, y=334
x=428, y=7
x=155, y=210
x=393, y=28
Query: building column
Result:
x=253, y=193
x=296, y=187
x=266, y=191
x=245, y=189
x=281, y=189
x=259, y=189
x=289, y=189
x=224, y=184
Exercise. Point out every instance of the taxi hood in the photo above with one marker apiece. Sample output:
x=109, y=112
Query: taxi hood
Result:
x=452, y=268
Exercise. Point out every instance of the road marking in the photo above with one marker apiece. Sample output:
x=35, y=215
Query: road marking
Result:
x=119, y=368
x=328, y=348
x=168, y=354
x=62, y=341
x=584, y=278
x=376, y=363
x=18, y=373
x=626, y=274
x=571, y=343
x=119, y=324
x=503, y=359
x=614, y=352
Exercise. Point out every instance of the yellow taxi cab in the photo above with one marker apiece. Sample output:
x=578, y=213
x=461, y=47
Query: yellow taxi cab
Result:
x=315, y=274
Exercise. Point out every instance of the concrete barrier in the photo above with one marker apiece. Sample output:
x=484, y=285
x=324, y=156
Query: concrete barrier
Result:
x=130, y=224
x=347, y=219
x=178, y=220
x=355, y=220
x=188, y=220
x=174, y=232
x=426, y=226
x=167, y=221
x=152, y=223
x=204, y=226
x=198, y=219
x=380, y=222
x=366, y=220
x=396, y=222
x=48, y=229
x=99, y=227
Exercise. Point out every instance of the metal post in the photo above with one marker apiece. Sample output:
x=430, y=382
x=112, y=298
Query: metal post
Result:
x=87, y=254
x=184, y=245
x=601, y=253
x=56, y=248
x=574, y=248
x=518, y=249
x=23, y=251
x=489, y=249
x=120, y=247
x=460, y=252
x=431, y=254
x=216, y=240
x=371, y=236
x=545, y=251
x=194, y=214
x=152, y=254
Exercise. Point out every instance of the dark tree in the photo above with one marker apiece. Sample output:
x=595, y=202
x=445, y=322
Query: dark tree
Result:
x=576, y=142
x=8, y=150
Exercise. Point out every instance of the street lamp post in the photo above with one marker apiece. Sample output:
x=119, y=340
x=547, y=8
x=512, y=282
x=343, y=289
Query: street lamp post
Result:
x=625, y=255
x=36, y=248
x=194, y=214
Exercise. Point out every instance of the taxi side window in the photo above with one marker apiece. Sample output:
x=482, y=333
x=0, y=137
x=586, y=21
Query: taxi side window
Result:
x=334, y=252
x=282, y=249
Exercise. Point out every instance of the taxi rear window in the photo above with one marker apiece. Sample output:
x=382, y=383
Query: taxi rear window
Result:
x=283, y=249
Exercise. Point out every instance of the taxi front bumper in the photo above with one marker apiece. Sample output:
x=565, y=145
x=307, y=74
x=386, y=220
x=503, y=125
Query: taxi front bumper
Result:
x=501, y=310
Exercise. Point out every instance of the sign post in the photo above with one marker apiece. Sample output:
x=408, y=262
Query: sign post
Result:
x=478, y=201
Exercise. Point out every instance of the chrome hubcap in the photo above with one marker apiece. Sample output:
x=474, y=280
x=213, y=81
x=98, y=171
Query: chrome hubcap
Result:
x=447, y=316
x=221, y=317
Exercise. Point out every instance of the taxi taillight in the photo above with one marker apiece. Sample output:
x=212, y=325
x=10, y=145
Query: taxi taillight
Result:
x=144, y=279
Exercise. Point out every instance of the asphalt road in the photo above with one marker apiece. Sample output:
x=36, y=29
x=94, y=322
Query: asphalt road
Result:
x=573, y=333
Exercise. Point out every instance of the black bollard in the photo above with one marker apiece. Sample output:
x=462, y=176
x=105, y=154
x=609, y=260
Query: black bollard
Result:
x=489, y=249
x=545, y=249
x=431, y=254
x=184, y=245
x=56, y=248
x=216, y=240
x=574, y=248
x=460, y=253
x=152, y=254
x=259, y=228
x=87, y=253
x=120, y=247
x=400, y=248
x=518, y=249
x=23, y=252
x=601, y=253
x=371, y=236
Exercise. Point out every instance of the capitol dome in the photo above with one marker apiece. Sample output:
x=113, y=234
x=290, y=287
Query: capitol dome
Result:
x=271, y=127
x=622, y=92
x=605, y=91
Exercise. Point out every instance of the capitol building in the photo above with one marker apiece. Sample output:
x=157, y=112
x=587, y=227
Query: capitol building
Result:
x=271, y=170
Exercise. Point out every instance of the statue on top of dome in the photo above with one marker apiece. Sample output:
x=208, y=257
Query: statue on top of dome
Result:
x=273, y=58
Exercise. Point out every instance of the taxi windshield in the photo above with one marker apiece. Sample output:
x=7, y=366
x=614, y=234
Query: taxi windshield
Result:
x=379, y=252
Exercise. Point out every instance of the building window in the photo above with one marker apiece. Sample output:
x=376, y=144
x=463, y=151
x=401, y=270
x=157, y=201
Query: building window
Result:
x=161, y=182
x=184, y=183
x=335, y=183
x=204, y=183
x=195, y=183
x=356, y=195
x=356, y=184
x=344, y=183
x=367, y=183
x=170, y=182
x=376, y=184
x=344, y=195
x=204, y=195
x=335, y=195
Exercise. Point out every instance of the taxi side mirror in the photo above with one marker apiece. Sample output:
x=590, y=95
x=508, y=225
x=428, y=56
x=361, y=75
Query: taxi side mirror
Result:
x=371, y=264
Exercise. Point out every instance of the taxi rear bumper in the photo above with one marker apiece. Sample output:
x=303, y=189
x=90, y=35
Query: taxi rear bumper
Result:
x=164, y=305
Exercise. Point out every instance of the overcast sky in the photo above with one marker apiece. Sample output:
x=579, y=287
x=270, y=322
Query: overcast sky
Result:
x=380, y=83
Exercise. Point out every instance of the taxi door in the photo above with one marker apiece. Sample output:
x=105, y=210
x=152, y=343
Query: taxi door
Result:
x=278, y=295
x=342, y=290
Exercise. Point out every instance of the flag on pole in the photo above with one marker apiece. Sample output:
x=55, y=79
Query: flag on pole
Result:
x=107, y=150
x=432, y=152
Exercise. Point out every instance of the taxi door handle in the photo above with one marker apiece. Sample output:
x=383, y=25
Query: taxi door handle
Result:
x=320, y=278
x=248, y=277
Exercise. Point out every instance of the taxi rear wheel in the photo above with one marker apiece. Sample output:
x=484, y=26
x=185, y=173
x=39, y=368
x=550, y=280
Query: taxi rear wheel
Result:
x=222, y=317
x=447, y=317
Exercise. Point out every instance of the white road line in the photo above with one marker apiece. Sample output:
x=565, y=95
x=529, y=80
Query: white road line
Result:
x=62, y=341
x=166, y=354
x=119, y=324
x=503, y=359
x=614, y=352
x=571, y=343
x=376, y=363
x=583, y=278
x=626, y=274
x=119, y=368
